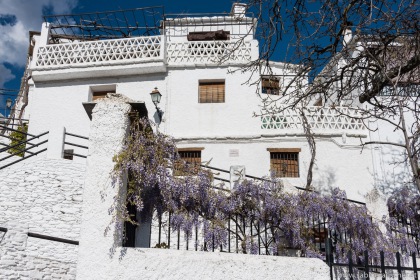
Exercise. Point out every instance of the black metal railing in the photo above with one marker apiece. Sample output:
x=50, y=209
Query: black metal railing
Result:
x=20, y=148
x=11, y=123
x=410, y=228
x=53, y=238
x=365, y=266
x=157, y=231
x=46, y=237
x=68, y=153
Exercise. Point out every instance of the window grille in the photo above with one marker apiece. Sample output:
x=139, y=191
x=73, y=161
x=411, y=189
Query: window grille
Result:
x=211, y=92
x=270, y=86
x=189, y=163
x=285, y=163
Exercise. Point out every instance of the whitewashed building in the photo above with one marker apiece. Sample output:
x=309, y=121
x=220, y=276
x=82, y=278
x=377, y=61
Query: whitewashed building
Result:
x=197, y=65
x=207, y=104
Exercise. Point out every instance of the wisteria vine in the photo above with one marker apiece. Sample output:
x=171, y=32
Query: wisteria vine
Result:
x=288, y=218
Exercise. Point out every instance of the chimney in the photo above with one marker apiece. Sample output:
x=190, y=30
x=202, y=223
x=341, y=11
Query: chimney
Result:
x=238, y=10
x=347, y=33
x=347, y=36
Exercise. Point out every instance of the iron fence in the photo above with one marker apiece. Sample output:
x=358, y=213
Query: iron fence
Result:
x=20, y=148
x=365, y=266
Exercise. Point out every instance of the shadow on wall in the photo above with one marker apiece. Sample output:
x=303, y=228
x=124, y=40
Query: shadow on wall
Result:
x=324, y=180
x=392, y=171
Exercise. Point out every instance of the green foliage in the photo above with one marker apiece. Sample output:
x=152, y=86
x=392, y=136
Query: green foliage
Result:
x=16, y=138
x=161, y=246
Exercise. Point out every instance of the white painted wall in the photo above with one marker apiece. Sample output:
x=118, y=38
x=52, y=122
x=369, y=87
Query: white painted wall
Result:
x=41, y=196
x=391, y=167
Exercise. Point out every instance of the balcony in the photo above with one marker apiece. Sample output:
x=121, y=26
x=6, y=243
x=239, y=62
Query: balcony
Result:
x=321, y=120
x=97, y=53
x=131, y=56
x=208, y=52
x=120, y=57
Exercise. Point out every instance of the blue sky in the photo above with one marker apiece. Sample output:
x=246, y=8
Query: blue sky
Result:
x=18, y=17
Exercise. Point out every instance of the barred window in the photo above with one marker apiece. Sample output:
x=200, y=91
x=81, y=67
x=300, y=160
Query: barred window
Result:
x=189, y=163
x=211, y=92
x=284, y=162
x=270, y=86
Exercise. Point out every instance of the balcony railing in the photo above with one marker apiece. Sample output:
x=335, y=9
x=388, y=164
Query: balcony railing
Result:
x=319, y=119
x=139, y=50
x=96, y=53
x=208, y=52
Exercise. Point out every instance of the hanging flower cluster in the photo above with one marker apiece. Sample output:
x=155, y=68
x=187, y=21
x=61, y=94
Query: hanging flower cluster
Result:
x=300, y=220
x=404, y=221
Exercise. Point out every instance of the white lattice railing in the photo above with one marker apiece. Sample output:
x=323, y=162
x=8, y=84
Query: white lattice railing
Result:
x=101, y=52
x=341, y=118
x=208, y=52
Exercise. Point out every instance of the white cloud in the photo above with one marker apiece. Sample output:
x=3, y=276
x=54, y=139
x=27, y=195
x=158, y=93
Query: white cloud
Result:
x=27, y=16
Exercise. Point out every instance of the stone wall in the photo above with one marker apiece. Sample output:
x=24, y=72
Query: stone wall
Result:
x=42, y=196
x=17, y=262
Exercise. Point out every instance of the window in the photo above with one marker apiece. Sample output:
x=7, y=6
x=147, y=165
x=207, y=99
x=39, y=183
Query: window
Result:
x=284, y=162
x=403, y=89
x=99, y=95
x=219, y=35
x=190, y=160
x=99, y=92
x=68, y=154
x=270, y=86
x=211, y=92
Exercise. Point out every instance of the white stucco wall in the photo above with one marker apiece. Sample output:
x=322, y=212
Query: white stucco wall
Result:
x=41, y=196
x=391, y=166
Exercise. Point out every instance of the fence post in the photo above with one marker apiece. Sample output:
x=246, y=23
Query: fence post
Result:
x=329, y=255
x=350, y=257
x=416, y=276
x=399, y=266
x=383, y=266
x=56, y=142
x=366, y=263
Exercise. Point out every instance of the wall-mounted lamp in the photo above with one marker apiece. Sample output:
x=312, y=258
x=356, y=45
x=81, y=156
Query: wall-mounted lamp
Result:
x=156, y=96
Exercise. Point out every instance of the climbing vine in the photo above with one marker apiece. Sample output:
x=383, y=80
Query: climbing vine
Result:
x=150, y=158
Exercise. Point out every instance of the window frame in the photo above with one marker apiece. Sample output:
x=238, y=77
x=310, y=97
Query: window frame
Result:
x=179, y=172
x=215, y=91
x=287, y=155
x=270, y=88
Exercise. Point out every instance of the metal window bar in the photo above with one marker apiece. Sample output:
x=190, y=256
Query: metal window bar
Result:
x=192, y=161
x=285, y=164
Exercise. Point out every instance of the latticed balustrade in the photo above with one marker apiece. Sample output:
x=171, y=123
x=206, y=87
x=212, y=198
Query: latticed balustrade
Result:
x=140, y=49
x=319, y=118
x=100, y=52
x=208, y=52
